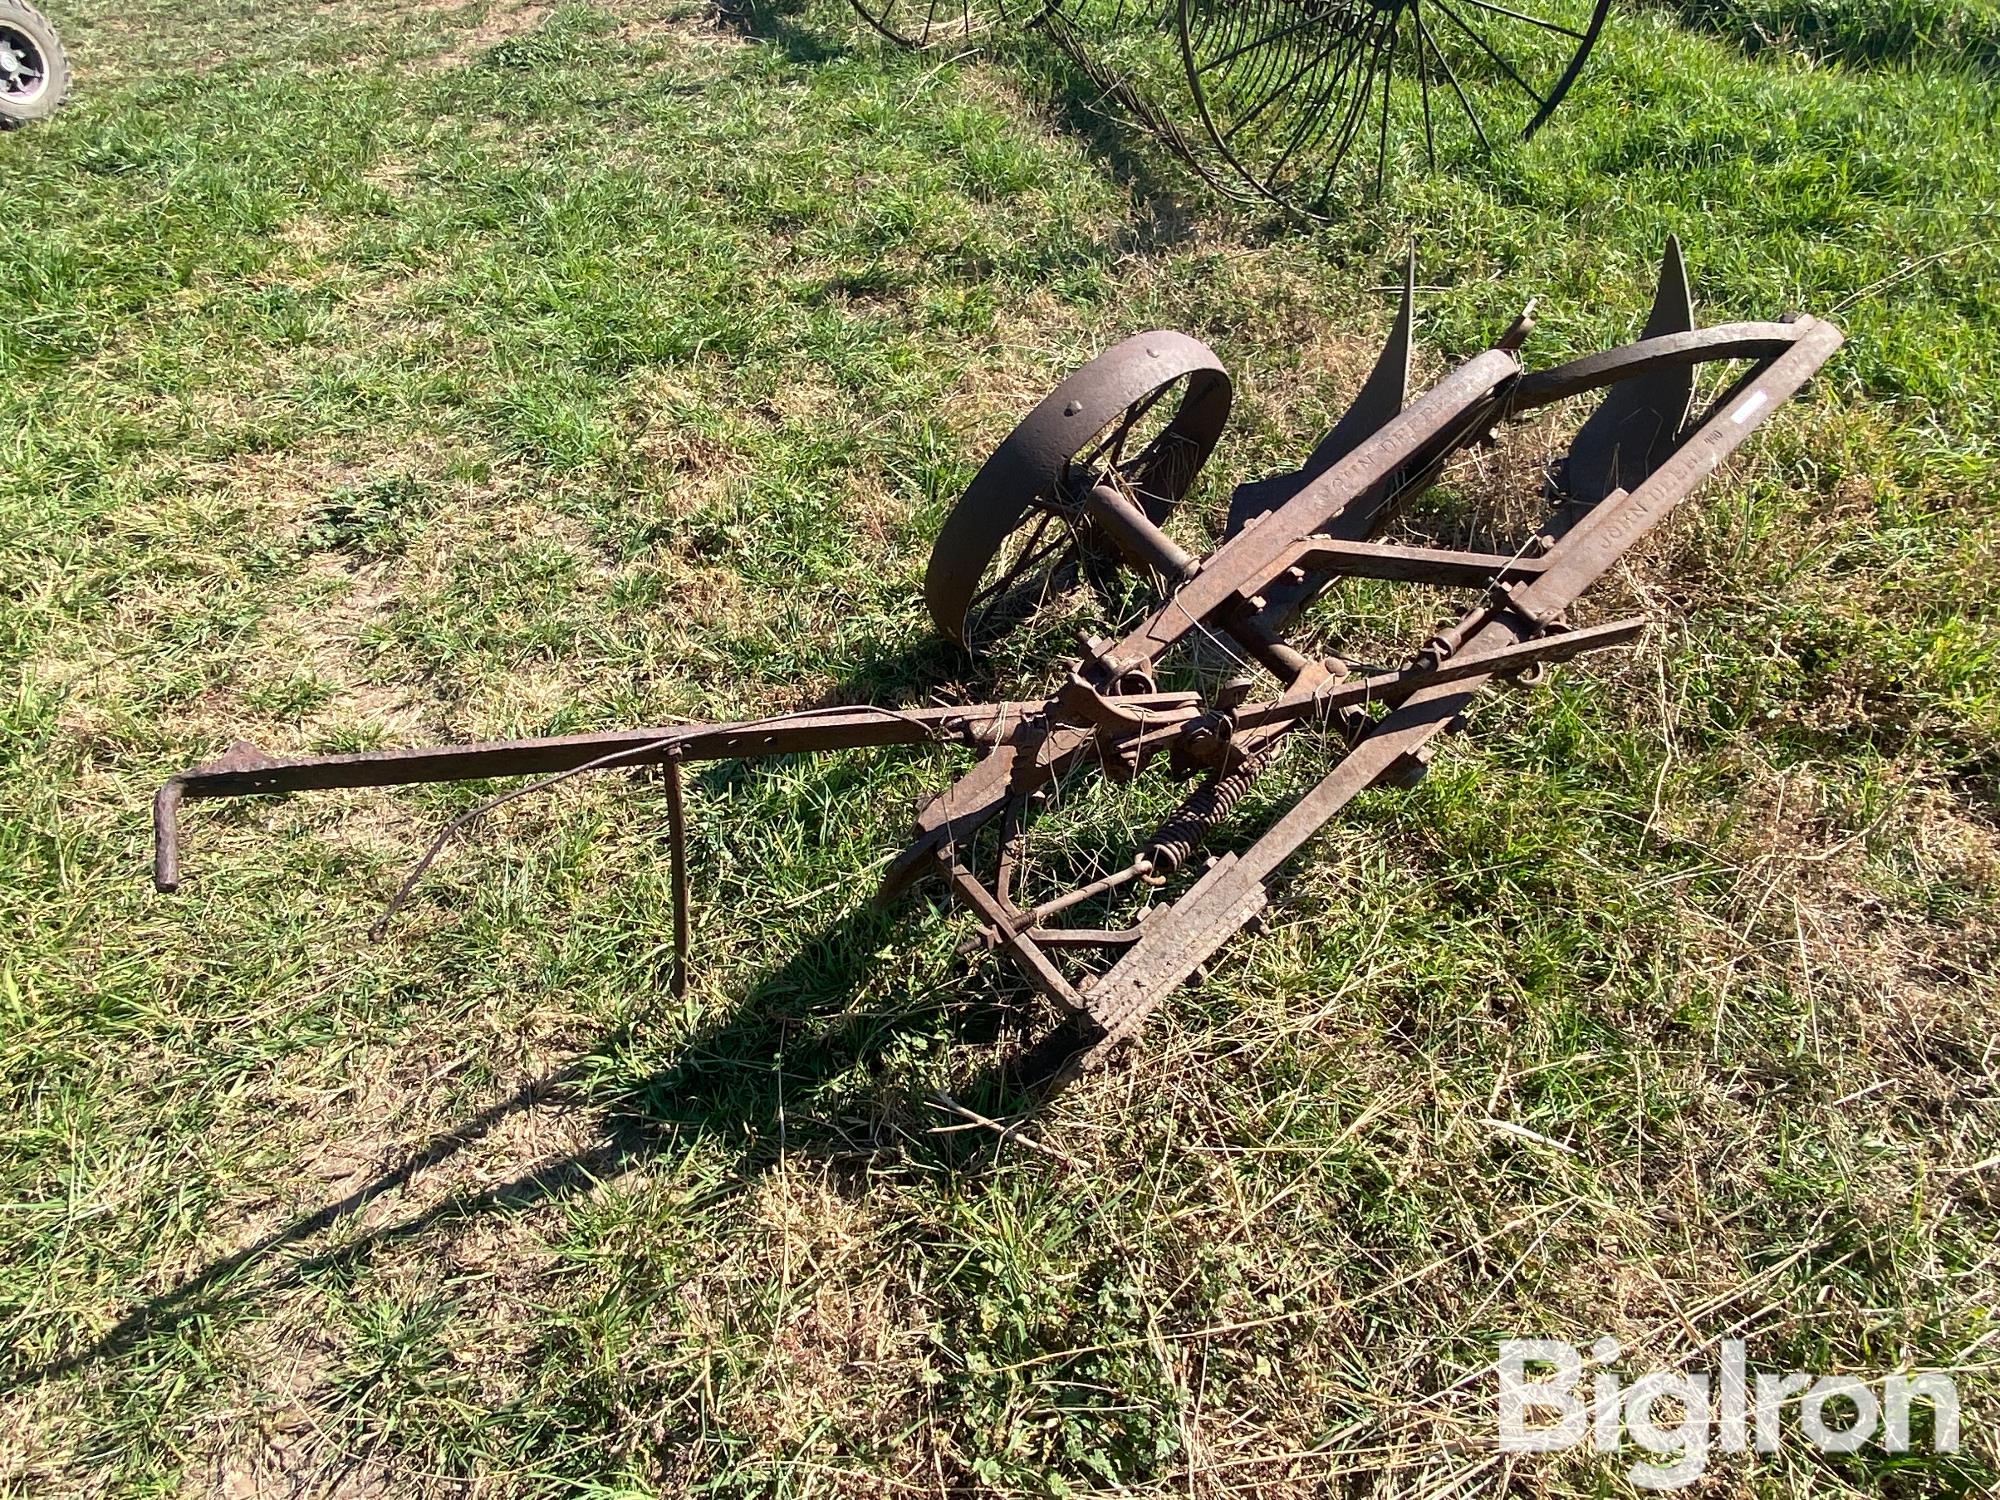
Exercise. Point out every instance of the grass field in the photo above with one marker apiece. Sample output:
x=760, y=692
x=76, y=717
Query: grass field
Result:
x=378, y=374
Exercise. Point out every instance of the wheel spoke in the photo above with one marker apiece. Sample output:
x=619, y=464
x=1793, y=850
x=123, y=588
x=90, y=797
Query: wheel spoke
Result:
x=1032, y=551
x=1357, y=110
x=1279, y=92
x=917, y=23
x=1311, y=115
x=1501, y=10
x=1388, y=83
x=1424, y=87
x=1263, y=41
x=1115, y=444
x=1451, y=77
x=1487, y=47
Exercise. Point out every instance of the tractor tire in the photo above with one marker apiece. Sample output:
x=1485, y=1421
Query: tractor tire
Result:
x=34, y=70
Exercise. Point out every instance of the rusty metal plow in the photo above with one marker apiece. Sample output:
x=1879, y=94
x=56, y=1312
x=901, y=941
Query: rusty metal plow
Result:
x=1085, y=483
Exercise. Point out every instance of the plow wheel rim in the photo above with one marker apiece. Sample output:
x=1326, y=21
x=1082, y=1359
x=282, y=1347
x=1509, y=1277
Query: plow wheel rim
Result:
x=1024, y=486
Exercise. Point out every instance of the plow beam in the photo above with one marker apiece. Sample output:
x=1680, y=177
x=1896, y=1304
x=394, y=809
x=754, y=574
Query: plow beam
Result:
x=245, y=771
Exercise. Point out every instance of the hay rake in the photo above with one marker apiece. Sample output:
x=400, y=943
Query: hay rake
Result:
x=1084, y=484
x=1295, y=100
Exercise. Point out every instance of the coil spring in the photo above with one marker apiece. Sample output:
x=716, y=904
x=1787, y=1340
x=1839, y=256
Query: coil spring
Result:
x=1188, y=824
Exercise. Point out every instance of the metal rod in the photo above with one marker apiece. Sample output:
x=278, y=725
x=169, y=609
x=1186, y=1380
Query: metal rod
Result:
x=1008, y=852
x=677, y=859
x=1699, y=346
x=1435, y=565
x=1244, y=624
x=1046, y=976
x=246, y=771
x=1086, y=937
x=1132, y=531
x=1082, y=894
x=1394, y=687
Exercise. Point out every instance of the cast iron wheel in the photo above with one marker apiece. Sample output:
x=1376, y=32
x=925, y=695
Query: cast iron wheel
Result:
x=1298, y=95
x=1019, y=526
x=34, y=71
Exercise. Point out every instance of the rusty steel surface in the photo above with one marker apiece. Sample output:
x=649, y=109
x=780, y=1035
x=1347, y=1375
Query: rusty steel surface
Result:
x=1035, y=473
x=1109, y=949
x=1635, y=428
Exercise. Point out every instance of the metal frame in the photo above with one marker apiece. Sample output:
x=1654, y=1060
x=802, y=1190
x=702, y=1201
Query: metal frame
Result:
x=1323, y=526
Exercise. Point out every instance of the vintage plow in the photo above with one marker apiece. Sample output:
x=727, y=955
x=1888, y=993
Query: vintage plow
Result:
x=1085, y=482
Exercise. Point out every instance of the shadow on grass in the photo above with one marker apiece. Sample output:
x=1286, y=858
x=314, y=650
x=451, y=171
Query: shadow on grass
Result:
x=758, y=1082
x=796, y=1069
x=1161, y=184
x=1862, y=33
x=1164, y=181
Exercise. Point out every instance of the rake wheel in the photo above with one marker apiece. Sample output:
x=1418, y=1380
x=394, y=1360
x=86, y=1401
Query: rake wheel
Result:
x=1296, y=94
x=917, y=24
x=1020, y=524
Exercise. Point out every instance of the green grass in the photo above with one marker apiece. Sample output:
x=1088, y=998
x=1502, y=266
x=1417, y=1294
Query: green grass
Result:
x=379, y=375
x=1861, y=32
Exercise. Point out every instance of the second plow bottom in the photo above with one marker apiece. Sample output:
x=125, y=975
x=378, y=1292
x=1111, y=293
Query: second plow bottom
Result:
x=1084, y=485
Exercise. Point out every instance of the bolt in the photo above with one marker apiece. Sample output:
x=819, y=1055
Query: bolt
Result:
x=1233, y=692
x=1073, y=408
